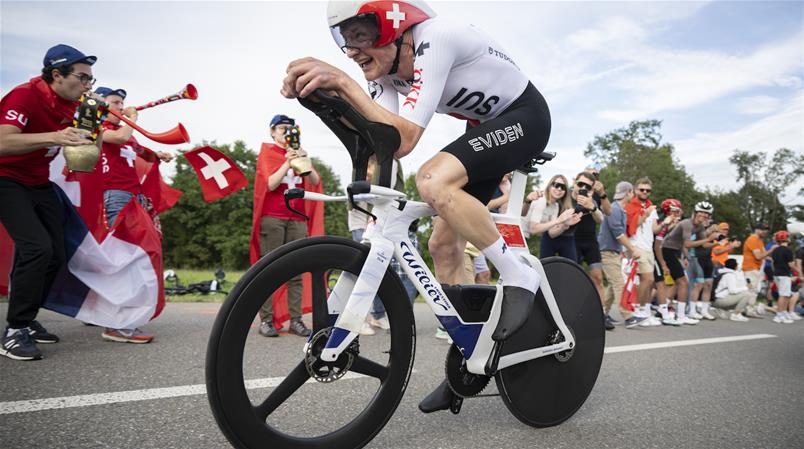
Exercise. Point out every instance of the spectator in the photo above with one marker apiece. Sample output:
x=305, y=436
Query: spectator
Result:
x=671, y=208
x=586, y=230
x=701, y=259
x=753, y=254
x=34, y=124
x=643, y=224
x=782, y=273
x=612, y=240
x=120, y=181
x=723, y=246
x=278, y=225
x=678, y=240
x=731, y=292
x=552, y=216
x=599, y=196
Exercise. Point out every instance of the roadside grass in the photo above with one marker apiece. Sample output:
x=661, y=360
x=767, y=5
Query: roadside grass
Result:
x=187, y=277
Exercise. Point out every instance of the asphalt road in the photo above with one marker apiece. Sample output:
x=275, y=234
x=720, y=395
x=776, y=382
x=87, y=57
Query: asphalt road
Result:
x=88, y=393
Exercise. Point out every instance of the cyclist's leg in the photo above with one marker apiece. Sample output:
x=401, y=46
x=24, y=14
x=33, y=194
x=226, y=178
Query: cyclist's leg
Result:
x=446, y=247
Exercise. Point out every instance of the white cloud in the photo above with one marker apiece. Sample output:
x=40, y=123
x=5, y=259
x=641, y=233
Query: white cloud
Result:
x=761, y=104
x=706, y=155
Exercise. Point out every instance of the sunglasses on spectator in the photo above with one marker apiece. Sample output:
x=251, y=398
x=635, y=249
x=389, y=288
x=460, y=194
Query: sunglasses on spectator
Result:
x=645, y=190
x=559, y=186
x=583, y=185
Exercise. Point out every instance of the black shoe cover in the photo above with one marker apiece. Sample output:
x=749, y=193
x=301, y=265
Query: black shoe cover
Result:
x=439, y=399
x=516, y=306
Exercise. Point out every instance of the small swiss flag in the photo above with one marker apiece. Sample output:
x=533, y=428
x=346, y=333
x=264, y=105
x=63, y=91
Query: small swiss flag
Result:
x=219, y=176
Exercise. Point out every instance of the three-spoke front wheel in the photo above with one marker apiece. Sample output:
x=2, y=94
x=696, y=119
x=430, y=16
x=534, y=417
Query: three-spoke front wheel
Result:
x=260, y=389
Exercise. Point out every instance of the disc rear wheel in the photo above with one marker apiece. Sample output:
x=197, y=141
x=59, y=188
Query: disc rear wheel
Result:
x=548, y=390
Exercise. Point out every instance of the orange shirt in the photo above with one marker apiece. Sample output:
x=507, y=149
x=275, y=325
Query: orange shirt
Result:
x=751, y=263
x=722, y=257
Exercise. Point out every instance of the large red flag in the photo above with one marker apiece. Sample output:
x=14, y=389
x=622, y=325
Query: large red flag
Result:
x=267, y=163
x=219, y=176
x=161, y=195
x=629, y=296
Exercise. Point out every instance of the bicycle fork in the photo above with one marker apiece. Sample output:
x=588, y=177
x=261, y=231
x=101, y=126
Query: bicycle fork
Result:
x=353, y=314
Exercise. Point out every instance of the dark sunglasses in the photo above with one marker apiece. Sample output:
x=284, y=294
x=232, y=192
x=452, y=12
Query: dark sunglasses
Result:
x=583, y=185
x=559, y=186
x=645, y=190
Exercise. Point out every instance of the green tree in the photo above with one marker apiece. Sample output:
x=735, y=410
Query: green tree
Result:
x=335, y=222
x=763, y=181
x=637, y=151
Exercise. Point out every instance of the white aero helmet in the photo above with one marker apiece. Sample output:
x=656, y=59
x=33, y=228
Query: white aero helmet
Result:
x=704, y=206
x=378, y=23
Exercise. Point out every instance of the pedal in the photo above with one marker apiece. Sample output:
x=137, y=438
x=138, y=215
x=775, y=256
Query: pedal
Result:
x=455, y=406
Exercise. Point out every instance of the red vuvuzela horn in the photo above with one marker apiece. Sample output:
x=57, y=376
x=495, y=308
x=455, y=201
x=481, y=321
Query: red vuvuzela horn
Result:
x=174, y=136
x=188, y=93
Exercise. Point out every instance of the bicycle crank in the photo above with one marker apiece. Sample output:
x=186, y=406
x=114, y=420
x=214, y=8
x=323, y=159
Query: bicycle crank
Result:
x=326, y=372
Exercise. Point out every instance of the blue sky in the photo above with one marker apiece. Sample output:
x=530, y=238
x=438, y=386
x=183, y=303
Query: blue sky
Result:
x=721, y=75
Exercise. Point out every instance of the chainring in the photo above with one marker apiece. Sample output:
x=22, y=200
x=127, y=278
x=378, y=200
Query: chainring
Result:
x=326, y=372
x=460, y=380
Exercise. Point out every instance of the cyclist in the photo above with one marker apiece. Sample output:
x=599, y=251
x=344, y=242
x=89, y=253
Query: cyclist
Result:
x=402, y=48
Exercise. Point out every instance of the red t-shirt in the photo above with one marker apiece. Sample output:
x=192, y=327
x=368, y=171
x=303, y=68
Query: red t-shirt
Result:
x=117, y=164
x=274, y=204
x=34, y=107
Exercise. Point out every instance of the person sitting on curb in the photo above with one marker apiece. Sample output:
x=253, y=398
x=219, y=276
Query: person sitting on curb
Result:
x=732, y=293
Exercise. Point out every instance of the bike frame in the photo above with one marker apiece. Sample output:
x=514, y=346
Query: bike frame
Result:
x=351, y=298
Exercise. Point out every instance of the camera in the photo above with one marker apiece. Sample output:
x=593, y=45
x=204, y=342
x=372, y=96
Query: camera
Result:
x=583, y=192
x=293, y=137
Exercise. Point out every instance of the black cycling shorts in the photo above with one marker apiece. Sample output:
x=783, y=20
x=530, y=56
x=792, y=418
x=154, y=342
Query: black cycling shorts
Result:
x=672, y=257
x=589, y=252
x=503, y=144
x=658, y=273
x=706, y=266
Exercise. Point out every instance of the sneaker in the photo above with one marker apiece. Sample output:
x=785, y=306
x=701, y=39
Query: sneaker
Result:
x=267, y=329
x=20, y=346
x=381, y=322
x=297, y=327
x=760, y=309
x=366, y=329
x=782, y=320
x=608, y=323
x=708, y=316
x=671, y=322
x=634, y=321
x=126, y=336
x=40, y=334
x=613, y=321
x=441, y=334
x=650, y=322
x=793, y=316
x=688, y=320
x=695, y=316
x=737, y=317
x=752, y=312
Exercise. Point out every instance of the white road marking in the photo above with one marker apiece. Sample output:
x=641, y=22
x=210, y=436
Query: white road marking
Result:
x=35, y=405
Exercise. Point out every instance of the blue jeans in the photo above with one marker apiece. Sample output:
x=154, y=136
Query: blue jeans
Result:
x=377, y=309
x=563, y=245
x=115, y=200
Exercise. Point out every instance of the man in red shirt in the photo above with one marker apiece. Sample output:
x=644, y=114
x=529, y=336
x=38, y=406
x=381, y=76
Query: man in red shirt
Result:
x=120, y=181
x=35, y=122
x=278, y=225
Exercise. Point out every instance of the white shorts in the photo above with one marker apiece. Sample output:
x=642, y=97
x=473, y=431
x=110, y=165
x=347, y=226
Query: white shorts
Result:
x=784, y=283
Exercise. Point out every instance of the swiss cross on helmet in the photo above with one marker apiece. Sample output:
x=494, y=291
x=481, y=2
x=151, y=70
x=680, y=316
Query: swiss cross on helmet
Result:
x=382, y=22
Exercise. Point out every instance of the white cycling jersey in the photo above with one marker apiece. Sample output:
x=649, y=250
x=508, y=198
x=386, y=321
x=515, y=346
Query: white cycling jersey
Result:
x=458, y=70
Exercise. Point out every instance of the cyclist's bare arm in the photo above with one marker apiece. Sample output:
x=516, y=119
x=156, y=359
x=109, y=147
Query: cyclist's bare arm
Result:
x=308, y=74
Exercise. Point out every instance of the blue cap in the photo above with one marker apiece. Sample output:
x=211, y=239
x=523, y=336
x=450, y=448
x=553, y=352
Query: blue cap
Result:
x=281, y=119
x=105, y=92
x=64, y=55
